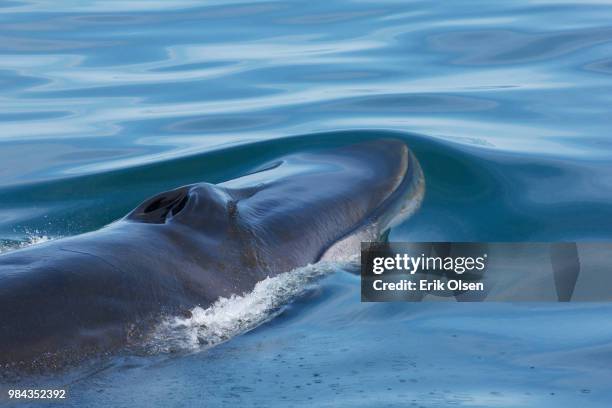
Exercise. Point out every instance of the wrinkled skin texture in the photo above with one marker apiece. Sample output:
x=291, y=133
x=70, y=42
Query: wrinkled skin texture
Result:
x=189, y=246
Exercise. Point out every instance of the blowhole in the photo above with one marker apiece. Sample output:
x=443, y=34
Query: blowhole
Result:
x=181, y=204
x=155, y=205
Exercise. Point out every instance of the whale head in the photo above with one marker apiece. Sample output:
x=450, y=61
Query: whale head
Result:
x=312, y=205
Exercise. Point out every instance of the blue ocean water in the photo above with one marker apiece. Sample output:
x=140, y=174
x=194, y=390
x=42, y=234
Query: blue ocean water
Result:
x=506, y=105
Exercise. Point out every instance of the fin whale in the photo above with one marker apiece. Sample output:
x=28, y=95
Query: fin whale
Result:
x=66, y=299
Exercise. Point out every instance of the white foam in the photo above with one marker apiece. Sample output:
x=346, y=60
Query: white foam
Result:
x=31, y=239
x=229, y=317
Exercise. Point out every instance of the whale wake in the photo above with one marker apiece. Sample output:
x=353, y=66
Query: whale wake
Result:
x=237, y=314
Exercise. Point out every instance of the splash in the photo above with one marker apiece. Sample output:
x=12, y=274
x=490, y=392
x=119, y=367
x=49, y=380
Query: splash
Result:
x=229, y=317
x=32, y=238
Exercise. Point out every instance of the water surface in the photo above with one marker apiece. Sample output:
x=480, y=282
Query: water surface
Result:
x=507, y=107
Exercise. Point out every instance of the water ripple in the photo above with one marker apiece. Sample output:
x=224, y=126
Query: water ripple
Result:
x=505, y=104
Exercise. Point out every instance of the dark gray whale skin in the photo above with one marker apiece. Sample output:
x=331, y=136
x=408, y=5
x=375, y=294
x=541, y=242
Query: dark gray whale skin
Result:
x=94, y=292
